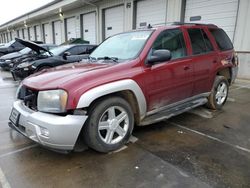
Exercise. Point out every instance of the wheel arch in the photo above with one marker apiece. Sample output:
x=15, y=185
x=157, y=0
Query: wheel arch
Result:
x=226, y=72
x=127, y=89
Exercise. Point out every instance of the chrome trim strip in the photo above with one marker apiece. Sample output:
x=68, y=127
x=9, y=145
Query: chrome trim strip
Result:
x=88, y=97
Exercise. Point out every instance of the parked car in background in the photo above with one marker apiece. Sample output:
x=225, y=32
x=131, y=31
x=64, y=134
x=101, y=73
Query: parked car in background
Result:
x=12, y=46
x=133, y=78
x=32, y=50
x=58, y=56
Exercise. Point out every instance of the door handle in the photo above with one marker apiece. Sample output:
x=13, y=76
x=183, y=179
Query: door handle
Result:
x=215, y=61
x=186, y=68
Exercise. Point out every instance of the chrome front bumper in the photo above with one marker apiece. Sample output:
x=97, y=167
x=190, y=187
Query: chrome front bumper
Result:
x=53, y=131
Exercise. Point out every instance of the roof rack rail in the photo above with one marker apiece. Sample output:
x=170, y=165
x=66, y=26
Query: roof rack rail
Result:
x=191, y=23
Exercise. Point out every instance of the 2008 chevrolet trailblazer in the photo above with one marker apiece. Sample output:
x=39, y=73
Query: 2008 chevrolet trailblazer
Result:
x=132, y=78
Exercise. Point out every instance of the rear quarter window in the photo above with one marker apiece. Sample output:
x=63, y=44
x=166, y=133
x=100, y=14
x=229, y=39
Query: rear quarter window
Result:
x=223, y=41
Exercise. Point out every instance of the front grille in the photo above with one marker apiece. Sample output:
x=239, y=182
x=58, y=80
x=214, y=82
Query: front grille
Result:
x=29, y=97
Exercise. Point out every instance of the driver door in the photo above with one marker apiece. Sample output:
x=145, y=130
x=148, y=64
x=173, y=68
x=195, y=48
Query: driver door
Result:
x=170, y=81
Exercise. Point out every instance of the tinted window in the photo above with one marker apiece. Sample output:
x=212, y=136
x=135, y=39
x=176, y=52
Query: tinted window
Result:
x=207, y=42
x=74, y=50
x=17, y=45
x=221, y=39
x=82, y=50
x=199, y=41
x=173, y=41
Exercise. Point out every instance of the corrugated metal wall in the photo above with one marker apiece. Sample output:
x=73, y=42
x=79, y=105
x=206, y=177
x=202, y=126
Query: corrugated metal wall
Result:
x=242, y=39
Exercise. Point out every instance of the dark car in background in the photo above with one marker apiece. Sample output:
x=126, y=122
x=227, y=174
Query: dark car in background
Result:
x=12, y=46
x=31, y=51
x=59, y=56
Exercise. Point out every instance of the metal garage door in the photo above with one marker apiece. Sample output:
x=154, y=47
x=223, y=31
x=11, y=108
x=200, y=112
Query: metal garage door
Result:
x=57, y=32
x=150, y=12
x=46, y=33
x=25, y=34
x=89, y=27
x=71, y=28
x=114, y=20
x=10, y=35
x=32, y=33
x=38, y=32
x=222, y=13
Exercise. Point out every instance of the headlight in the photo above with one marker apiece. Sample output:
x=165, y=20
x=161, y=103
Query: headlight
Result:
x=53, y=101
x=24, y=65
x=7, y=61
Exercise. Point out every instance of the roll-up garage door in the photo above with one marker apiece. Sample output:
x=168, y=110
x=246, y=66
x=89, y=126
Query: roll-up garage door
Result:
x=32, y=34
x=71, y=28
x=14, y=35
x=10, y=35
x=57, y=32
x=46, y=33
x=114, y=20
x=223, y=13
x=89, y=27
x=38, y=33
x=25, y=34
x=150, y=12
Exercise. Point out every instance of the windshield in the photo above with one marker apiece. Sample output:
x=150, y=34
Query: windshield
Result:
x=25, y=50
x=58, y=50
x=122, y=46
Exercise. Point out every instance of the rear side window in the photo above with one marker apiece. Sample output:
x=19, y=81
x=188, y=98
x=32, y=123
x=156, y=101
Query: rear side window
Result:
x=199, y=41
x=222, y=40
x=173, y=41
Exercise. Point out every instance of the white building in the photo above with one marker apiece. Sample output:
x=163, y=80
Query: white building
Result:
x=95, y=20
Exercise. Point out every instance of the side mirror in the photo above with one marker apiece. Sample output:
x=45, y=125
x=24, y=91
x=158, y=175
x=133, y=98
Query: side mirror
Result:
x=65, y=54
x=159, y=56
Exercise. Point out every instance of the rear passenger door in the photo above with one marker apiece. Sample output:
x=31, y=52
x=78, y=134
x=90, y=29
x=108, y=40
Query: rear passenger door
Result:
x=204, y=58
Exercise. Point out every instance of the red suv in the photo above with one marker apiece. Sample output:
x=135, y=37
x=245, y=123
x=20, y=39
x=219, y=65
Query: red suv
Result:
x=133, y=78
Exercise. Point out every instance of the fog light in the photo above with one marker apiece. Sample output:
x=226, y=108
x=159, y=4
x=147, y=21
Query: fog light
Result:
x=44, y=131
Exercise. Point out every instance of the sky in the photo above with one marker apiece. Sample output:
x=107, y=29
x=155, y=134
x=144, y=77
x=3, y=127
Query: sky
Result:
x=11, y=9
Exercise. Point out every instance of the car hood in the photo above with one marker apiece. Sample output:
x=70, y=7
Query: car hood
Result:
x=31, y=45
x=61, y=76
x=11, y=56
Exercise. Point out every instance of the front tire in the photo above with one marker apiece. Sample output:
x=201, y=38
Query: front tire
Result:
x=110, y=124
x=219, y=93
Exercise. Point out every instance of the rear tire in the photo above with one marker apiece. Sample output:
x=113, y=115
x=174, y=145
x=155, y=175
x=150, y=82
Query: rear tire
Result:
x=219, y=93
x=110, y=124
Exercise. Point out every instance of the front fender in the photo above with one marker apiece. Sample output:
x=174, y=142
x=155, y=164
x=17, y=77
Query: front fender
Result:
x=91, y=95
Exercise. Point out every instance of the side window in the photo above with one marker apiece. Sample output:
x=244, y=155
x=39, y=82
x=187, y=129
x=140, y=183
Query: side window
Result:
x=207, y=42
x=199, y=41
x=82, y=50
x=17, y=45
x=173, y=41
x=222, y=40
x=74, y=50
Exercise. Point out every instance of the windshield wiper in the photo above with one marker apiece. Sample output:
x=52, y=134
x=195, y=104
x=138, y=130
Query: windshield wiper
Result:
x=115, y=59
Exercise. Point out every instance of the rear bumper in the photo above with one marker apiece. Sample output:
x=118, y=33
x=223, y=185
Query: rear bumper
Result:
x=62, y=131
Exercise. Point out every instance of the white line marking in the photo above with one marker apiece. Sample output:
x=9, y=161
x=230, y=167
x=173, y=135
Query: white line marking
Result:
x=18, y=151
x=211, y=137
x=3, y=180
